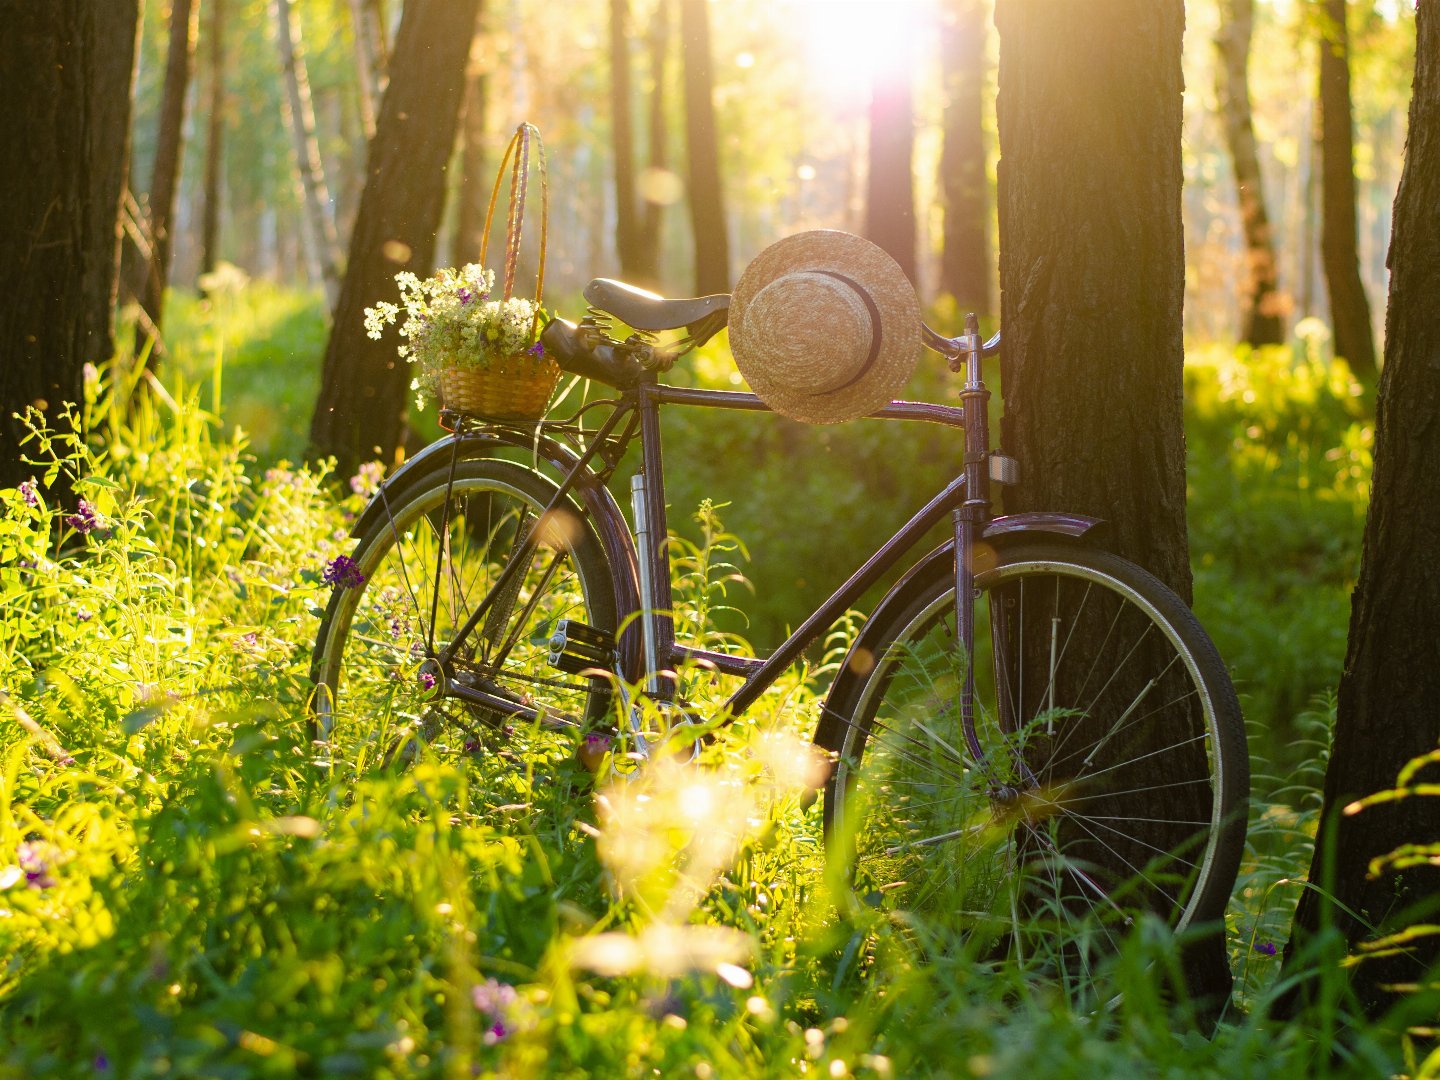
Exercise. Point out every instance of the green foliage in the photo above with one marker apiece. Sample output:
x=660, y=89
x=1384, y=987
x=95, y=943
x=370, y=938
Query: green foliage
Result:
x=1278, y=473
x=186, y=890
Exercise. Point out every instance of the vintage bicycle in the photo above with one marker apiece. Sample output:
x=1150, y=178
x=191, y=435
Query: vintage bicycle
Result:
x=1028, y=734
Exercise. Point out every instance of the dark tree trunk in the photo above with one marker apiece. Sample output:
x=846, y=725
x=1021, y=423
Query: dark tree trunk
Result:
x=1262, y=317
x=890, y=189
x=169, y=153
x=652, y=215
x=1349, y=308
x=1092, y=286
x=476, y=180
x=215, y=142
x=627, y=228
x=1391, y=682
x=707, y=203
x=69, y=66
x=360, y=413
x=965, y=258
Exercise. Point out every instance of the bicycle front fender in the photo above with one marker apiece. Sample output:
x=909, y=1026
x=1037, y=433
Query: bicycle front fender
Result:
x=938, y=563
x=599, y=505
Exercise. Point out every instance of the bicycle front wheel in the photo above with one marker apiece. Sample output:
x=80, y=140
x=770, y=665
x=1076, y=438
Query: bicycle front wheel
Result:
x=419, y=574
x=1104, y=775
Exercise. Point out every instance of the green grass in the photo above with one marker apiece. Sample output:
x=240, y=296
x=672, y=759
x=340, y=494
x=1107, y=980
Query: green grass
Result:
x=186, y=891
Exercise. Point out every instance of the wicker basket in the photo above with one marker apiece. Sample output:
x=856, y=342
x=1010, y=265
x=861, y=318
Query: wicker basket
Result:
x=517, y=387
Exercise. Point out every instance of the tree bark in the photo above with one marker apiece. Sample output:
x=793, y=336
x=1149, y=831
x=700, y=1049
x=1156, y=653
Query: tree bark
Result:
x=476, y=181
x=707, y=202
x=1092, y=286
x=360, y=412
x=1349, y=307
x=169, y=153
x=965, y=258
x=1262, y=317
x=1391, y=681
x=69, y=68
x=627, y=226
x=300, y=112
x=215, y=142
x=890, y=189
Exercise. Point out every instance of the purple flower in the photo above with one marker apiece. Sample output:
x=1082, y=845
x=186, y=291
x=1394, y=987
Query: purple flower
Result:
x=464, y=295
x=1266, y=947
x=102, y=1063
x=37, y=869
x=84, y=520
x=27, y=492
x=367, y=478
x=536, y=350
x=427, y=680
x=343, y=573
x=597, y=742
x=493, y=997
x=497, y=1032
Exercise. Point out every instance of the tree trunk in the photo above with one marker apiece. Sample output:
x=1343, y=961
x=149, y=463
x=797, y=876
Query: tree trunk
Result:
x=653, y=195
x=627, y=228
x=169, y=153
x=965, y=258
x=707, y=203
x=1391, y=681
x=1092, y=286
x=366, y=63
x=69, y=67
x=300, y=112
x=1262, y=318
x=1349, y=308
x=476, y=180
x=360, y=413
x=214, y=145
x=890, y=189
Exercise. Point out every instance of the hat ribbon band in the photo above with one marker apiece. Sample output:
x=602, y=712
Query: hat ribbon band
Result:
x=874, y=336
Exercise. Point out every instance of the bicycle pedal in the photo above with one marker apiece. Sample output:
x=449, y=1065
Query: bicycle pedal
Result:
x=575, y=647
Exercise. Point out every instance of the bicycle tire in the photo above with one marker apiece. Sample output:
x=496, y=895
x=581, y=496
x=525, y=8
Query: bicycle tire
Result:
x=1031, y=844
x=371, y=699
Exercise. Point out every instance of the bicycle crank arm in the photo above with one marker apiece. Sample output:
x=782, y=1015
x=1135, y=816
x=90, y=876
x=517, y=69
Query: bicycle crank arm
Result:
x=545, y=717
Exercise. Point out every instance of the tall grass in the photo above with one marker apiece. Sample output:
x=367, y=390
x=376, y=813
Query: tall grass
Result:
x=184, y=891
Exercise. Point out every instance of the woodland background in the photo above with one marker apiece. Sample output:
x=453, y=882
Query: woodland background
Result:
x=683, y=137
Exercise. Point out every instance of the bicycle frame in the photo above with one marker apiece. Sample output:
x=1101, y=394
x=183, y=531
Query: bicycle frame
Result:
x=643, y=584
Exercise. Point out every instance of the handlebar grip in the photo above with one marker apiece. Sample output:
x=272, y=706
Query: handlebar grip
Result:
x=601, y=363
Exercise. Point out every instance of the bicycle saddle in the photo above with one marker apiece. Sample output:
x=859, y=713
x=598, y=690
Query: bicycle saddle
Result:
x=646, y=311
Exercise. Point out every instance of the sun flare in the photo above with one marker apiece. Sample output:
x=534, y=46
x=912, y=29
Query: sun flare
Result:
x=852, y=44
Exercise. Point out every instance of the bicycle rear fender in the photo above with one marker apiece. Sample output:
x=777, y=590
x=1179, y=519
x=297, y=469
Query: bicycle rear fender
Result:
x=860, y=660
x=599, y=504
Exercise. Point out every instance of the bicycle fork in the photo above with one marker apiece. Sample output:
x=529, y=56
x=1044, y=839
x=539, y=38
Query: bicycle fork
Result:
x=970, y=517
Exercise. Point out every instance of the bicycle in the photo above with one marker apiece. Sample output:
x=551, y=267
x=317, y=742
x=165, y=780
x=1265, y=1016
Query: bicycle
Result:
x=1044, y=761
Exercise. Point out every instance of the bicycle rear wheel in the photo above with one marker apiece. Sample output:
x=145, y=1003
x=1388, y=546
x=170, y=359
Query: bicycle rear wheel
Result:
x=1105, y=779
x=439, y=550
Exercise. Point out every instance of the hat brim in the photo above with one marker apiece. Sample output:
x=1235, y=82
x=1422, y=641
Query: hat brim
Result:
x=880, y=277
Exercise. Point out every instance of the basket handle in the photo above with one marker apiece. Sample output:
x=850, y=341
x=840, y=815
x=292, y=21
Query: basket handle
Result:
x=517, y=156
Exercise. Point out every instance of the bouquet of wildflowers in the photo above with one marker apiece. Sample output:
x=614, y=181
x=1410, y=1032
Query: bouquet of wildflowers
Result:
x=451, y=323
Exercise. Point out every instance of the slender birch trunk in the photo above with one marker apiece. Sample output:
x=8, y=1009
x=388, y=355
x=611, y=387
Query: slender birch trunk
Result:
x=319, y=213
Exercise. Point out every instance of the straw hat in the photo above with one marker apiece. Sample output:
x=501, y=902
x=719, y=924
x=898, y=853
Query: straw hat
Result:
x=825, y=327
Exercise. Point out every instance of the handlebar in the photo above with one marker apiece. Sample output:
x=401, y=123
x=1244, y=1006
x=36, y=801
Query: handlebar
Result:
x=956, y=346
x=601, y=362
x=604, y=363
